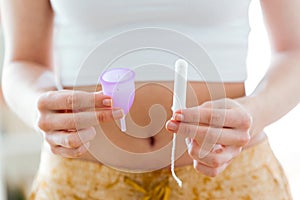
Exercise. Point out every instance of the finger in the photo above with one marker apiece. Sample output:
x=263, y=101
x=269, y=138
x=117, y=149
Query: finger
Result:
x=209, y=171
x=207, y=141
x=211, y=159
x=210, y=135
x=70, y=153
x=215, y=117
x=219, y=103
x=81, y=120
x=71, y=139
x=73, y=100
x=222, y=103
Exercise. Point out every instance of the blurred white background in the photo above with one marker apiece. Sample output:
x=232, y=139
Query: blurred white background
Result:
x=284, y=135
x=21, y=158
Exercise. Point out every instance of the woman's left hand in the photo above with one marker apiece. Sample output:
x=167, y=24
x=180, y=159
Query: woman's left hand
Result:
x=215, y=132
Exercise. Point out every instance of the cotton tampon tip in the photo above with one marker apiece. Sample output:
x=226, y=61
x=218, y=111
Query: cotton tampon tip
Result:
x=181, y=65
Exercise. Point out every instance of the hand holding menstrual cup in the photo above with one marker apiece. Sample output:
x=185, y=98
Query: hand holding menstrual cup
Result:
x=119, y=84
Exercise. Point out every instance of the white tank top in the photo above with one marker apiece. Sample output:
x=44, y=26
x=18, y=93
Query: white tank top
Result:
x=149, y=36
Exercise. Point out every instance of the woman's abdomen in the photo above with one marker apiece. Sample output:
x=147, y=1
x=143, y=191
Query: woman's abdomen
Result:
x=146, y=135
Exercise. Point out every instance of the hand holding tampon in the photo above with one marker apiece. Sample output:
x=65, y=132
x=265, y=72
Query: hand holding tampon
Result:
x=215, y=131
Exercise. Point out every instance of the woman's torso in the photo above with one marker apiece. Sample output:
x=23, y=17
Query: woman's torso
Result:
x=147, y=144
x=221, y=30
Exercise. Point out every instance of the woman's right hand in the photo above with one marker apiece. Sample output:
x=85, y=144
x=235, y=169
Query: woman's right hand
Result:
x=67, y=118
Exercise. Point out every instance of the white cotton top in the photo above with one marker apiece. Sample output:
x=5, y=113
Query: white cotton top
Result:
x=148, y=37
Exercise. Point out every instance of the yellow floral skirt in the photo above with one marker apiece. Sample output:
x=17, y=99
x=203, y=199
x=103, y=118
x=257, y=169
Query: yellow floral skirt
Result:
x=254, y=174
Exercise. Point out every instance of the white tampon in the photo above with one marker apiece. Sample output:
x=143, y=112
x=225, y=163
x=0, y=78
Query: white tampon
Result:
x=180, y=82
x=179, y=101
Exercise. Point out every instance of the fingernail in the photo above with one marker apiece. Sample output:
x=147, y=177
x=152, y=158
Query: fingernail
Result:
x=172, y=126
x=107, y=102
x=179, y=117
x=118, y=114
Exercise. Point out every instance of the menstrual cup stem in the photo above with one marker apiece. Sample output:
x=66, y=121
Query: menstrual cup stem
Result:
x=123, y=124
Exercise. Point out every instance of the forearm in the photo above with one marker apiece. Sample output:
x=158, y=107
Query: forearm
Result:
x=22, y=83
x=277, y=93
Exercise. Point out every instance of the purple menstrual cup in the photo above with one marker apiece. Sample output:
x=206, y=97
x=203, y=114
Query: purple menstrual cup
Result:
x=119, y=84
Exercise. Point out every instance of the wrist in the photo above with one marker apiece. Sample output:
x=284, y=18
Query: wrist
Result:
x=253, y=106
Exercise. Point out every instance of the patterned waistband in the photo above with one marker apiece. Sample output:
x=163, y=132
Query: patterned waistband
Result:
x=254, y=172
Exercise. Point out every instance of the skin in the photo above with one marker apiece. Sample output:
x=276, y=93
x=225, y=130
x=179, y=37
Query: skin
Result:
x=233, y=123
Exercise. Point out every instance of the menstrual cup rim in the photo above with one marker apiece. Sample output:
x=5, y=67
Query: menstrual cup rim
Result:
x=132, y=75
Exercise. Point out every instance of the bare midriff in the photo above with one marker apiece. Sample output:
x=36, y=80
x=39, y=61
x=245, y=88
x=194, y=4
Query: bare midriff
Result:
x=151, y=109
